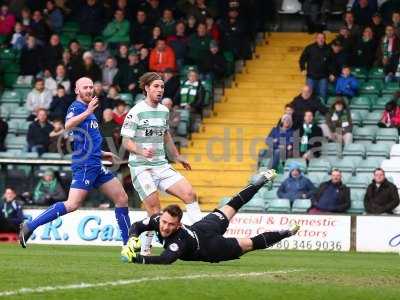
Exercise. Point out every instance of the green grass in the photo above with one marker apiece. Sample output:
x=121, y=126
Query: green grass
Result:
x=319, y=275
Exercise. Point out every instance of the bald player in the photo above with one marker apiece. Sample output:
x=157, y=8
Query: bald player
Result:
x=88, y=171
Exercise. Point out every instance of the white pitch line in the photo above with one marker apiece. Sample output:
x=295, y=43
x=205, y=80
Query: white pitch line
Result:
x=84, y=285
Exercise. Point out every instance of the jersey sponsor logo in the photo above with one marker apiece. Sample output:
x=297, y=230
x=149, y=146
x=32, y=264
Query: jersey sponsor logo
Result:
x=219, y=215
x=105, y=171
x=94, y=124
x=154, y=132
x=70, y=115
x=174, y=247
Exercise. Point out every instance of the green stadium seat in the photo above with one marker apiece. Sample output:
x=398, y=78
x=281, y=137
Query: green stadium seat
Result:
x=139, y=97
x=356, y=118
x=354, y=150
x=369, y=165
x=4, y=112
x=364, y=134
x=380, y=102
x=371, y=87
x=23, y=92
x=84, y=40
x=385, y=135
x=360, y=181
x=360, y=73
x=50, y=155
x=268, y=195
x=361, y=102
x=319, y=165
x=23, y=127
x=378, y=150
x=70, y=26
x=279, y=205
x=256, y=204
x=21, y=113
x=390, y=88
x=230, y=63
x=316, y=177
x=332, y=100
x=372, y=118
x=13, y=126
x=357, y=207
x=8, y=154
x=12, y=67
x=10, y=96
x=331, y=149
x=301, y=205
x=346, y=164
x=279, y=179
x=15, y=142
x=376, y=73
x=7, y=55
x=10, y=79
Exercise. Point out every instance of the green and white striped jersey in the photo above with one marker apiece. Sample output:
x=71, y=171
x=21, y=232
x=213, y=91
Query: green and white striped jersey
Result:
x=146, y=126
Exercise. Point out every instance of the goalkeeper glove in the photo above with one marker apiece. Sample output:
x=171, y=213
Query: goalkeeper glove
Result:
x=134, y=244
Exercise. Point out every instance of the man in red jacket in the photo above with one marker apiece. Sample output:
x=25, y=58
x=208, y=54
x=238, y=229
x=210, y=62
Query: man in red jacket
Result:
x=162, y=57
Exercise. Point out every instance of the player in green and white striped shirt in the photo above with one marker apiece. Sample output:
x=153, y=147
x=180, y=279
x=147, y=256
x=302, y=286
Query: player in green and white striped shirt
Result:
x=146, y=136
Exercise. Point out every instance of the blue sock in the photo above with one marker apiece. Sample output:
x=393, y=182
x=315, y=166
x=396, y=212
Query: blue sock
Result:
x=124, y=222
x=52, y=213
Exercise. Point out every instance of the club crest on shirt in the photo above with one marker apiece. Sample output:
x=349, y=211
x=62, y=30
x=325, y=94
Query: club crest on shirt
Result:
x=174, y=247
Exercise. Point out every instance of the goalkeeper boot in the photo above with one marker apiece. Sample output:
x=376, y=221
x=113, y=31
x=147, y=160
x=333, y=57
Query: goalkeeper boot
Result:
x=294, y=229
x=24, y=234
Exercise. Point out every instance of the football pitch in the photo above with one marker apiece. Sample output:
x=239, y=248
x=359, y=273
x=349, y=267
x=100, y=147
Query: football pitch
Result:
x=81, y=272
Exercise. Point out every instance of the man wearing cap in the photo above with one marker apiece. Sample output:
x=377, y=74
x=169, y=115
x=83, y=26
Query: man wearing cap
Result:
x=48, y=190
x=296, y=186
x=162, y=57
x=128, y=75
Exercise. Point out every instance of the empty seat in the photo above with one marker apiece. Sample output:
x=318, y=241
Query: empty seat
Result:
x=346, y=164
x=10, y=96
x=376, y=73
x=361, y=102
x=372, y=118
x=356, y=118
x=390, y=88
x=371, y=87
x=395, y=151
x=360, y=73
x=279, y=179
x=13, y=126
x=50, y=155
x=21, y=113
x=356, y=207
x=378, y=150
x=360, y=181
x=387, y=135
x=319, y=165
x=256, y=204
x=16, y=142
x=365, y=134
x=354, y=150
x=301, y=205
x=279, y=205
x=331, y=149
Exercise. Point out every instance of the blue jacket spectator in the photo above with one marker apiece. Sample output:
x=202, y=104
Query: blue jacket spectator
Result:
x=55, y=17
x=347, y=84
x=296, y=186
x=332, y=196
x=281, y=140
x=11, y=215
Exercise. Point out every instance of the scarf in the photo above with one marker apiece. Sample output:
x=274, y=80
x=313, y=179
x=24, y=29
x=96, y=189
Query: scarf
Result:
x=305, y=138
x=341, y=118
x=189, y=92
x=387, y=47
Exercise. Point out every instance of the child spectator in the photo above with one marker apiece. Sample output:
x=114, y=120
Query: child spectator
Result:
x=58, y=137
x=18, y=38
x=59, y=104
x=48, y=190
x=339, y=125
x=347, y=84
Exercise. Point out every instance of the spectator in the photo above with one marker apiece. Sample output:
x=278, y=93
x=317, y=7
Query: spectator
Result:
x=331, y=196
x=347, y=84
x=89, y=68
x=55, y=18
x=39, y=28
x=3, y=134
x=144, y=58
x=109, y=71
x=346, y=40
x=153, y=10
x=171, y=85
x=306, y=101
x=377, y=27
x=127, y=9
x=11, y=214
x=162, y=57
x=113, y=95
x=365, y=50
x=61, y=78
x=213, y=29
x=296, y=186
x=167, y=23
x=339, y=125
x=104, y=102
x=140, y=30
x=315, y=63
x=7, y=21
x=382, y=196
x=192, y=24
x=26, y=18
x=350, y=24
x=199, y=9
x=192, y=93
x=109, y=129
x=38, y=98
x=76, y=52
x=234, y=36
x=120, y=111
x=58, y=137
x=214, y=64
x=91, y=16
x=38, y=133
x=100, y=52
x=127, y=77
x=66, y=62
x=312, y=10
x=30, y=60
x=59, y=105
x=49, y=82
x=339, y=58
x=48, y=190
x=396, y=22
x=179, y=43
x=18, y=38
x=198, y=45
x=52, y=53
x=388, y=52
x=117, y=31
x=280, y=140
x=156, y=34
x=288, y=111
x=174, y=115
x=122, y=56
x=390, y=116
x=363, y=12
x=310, y=137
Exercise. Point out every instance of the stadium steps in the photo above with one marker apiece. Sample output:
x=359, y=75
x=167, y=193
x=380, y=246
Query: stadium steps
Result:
x=236, y=130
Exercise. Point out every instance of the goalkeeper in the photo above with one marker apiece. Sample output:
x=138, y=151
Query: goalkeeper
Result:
x=203, y=241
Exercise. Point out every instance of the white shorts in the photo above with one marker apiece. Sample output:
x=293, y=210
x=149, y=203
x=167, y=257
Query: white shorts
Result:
x=148, y=180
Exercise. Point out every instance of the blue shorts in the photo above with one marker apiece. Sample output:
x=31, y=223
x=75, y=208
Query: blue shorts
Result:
x=90, y=177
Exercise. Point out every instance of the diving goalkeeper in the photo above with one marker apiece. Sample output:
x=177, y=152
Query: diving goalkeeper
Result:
x=203, y=241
